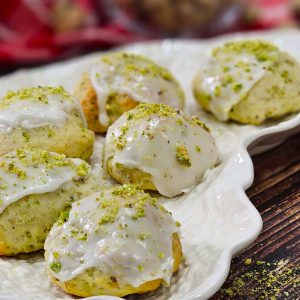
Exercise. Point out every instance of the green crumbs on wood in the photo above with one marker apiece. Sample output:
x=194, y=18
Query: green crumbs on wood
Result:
x=263, y=280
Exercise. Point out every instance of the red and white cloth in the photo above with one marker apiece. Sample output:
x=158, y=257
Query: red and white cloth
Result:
x=30, y=30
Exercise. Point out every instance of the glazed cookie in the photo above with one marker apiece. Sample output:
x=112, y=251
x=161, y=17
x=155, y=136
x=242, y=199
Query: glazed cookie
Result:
x=116, y=242
x=248, y=82
x=44, y=117
x=119, y=82
x=158, y=148
x=35, y=187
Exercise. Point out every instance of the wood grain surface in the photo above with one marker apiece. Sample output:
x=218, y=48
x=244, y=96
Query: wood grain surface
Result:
x=270, y=267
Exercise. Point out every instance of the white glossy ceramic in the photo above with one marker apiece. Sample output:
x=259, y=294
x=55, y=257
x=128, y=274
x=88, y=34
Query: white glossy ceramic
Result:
x=217, y=218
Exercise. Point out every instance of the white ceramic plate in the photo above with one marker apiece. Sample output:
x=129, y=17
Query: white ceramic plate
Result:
x=218, y=220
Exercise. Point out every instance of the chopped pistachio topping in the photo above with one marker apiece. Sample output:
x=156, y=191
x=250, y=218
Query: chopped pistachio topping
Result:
x=182, y=156
x=36, y=94
x=144, y=110
x=83, y=169
x=178, y=224
x=110, y=216
x=262, y=53
x=266, y=280
x=143, y=236
x=55, y=266
x=13, y=169
x=198, y=149
x=237, y=87
x=128, y=65
x=140, y=268
x=147, y=109
x=262, y=50
x=25, y=157
x=63, y=217
x=128, y=196
x=26, y=136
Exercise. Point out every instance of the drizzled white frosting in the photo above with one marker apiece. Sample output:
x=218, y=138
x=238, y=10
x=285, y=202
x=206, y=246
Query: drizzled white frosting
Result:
x=131, y=250
x=229, y=74
x=29, y=112
x=135, y=76
x=26, y=172
x=151, y=145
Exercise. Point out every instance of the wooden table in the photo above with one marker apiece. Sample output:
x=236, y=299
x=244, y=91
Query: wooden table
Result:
x=270, y=267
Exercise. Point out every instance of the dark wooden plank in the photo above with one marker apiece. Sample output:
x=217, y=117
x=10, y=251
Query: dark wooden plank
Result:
x=274, y=271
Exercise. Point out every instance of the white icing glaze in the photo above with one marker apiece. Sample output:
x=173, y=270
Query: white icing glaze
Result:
x=135, y=76
x=28, y=112
x=26, y=172
x=151, y=146
x=131, y=250
x=227, y=77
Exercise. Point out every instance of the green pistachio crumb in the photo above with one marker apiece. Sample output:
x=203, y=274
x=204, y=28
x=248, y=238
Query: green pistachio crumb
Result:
x=182, y=156
x=109, y=218
x=179, y=122
x=26, y=136
x=55, y=266
x=198, y=149
x=63, y=217
x=248, y=261
x=197, y=122
x=3, y=186
x=124, y=129
x=140, y=268
x=262, y=50
x=50, y=133
x=55, y=255
x=83, y=237
x=217, y=91
x=129, y=116
x=83, y=169
x=36, y=94
x=143, y=236
x=237, y=87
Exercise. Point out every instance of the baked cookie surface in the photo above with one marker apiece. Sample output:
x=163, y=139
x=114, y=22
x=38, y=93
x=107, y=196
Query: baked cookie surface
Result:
x=119, y=82
x=249, y=82
x=44, y=117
